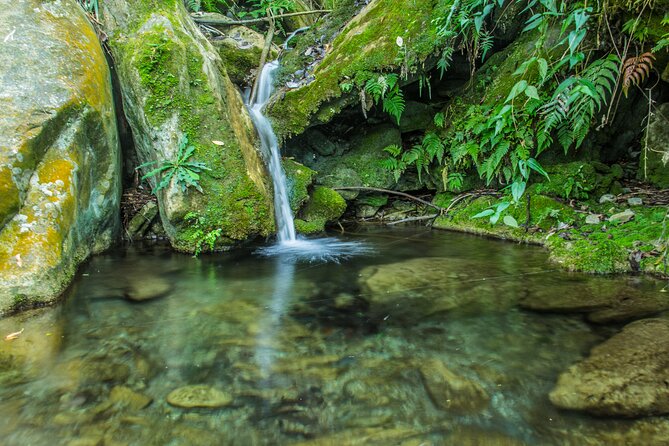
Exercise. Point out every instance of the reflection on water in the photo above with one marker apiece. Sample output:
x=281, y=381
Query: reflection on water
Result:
x=366, y=351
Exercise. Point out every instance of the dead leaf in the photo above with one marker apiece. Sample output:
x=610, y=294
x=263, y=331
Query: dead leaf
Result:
x=18, y=260
x=12, y=336
x=219, y=143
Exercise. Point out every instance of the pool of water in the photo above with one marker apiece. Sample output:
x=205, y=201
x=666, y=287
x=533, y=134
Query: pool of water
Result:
x=419, y=342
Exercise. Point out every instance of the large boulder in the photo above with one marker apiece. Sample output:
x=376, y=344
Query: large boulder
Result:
x=59, y=150
x=625, y=376
x=174, y=84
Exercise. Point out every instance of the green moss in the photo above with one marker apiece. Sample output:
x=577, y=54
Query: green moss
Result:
x=365, y=47
x=299, y=178
x=375, y=200
x=309, y=227
x=10, y=203
x=239, y=63
x=325, y=205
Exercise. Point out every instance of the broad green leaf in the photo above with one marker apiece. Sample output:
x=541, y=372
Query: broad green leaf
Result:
x=534, y=165
x=485, y=213
x=516, y=90
x=510, y=221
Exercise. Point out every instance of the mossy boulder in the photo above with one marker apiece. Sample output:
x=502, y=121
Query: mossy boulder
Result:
x=59, y=150
x=240, y=49
x=652, y=166
x=325, y=205
x=174, y=84
x=298, y=178
x=367, y=44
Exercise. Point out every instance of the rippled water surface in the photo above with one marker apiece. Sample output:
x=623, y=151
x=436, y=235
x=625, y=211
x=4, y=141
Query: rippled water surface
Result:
x=366, y=351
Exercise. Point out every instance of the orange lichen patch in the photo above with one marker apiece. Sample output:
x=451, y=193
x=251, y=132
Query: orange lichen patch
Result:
x=91, y=84
x=39, y=238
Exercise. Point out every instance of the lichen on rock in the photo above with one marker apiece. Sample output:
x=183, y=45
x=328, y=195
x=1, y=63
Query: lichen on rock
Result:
x=174, y=83
x=59, y=151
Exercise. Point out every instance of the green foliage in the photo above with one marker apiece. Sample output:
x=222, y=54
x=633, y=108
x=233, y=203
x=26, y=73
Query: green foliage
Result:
x=186, y=173
x=261, y=8
x=91, y=7
x=201, y=237
x=385, y=88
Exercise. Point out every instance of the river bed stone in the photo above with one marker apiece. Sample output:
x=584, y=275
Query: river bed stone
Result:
x=201, y=396
x=625, y=376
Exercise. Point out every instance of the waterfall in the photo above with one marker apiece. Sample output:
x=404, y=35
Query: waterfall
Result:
x=270, y=147
x=290, y=248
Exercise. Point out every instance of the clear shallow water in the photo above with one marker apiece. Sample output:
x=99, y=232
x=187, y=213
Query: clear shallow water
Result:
x=309, y=352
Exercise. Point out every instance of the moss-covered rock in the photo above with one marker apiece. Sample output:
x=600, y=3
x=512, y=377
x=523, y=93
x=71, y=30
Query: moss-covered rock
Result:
x=366, y=45
x=325, y=205
x=240, y=50
x=652, y=166
x=299, y=178
x=59, y=151
x=174, y=83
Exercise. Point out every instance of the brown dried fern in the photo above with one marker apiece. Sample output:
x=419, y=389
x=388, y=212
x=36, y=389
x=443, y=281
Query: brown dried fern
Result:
x=636, y=69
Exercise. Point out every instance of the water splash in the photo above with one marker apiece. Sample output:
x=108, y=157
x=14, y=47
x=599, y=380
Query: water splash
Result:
x=290, y=247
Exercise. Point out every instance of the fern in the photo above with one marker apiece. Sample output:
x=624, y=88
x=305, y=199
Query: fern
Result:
x=636, y=69
x=393, y=104
x=386, y=89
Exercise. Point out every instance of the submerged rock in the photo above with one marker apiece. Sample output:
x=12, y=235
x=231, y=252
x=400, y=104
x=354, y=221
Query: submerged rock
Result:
x=174, y=84
x=59, y=150
x=126, y=397
x=625, y=376
x=147, y=288
x=450, y=391
x=198, y=396
x=418, y=288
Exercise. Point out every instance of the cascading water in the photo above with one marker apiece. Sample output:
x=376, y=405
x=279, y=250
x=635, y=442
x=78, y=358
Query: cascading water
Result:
x=270, y=146
x=289, y=246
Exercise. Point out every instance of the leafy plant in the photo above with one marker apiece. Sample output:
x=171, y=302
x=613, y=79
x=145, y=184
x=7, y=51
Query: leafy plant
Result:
x=636, y=70
x=385, y=88
x=199, y=234
x=185, y=173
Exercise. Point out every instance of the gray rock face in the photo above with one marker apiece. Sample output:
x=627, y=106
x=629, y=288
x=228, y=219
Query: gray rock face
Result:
x=59, y=151
x=625, y=376
x=653, y=163
x=174, y=84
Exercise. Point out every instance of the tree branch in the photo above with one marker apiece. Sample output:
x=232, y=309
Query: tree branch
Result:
x=223, y=22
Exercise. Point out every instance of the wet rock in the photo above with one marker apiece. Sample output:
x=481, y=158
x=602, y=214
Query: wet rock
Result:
x=603, y=300
x=198, y=396
x=473, y=436
x=240, y=49
x=625, y=376
x=366, y=436
x=147, y=288
x=416, y=116
x=141, y=222
x=622, y=217
x=126, y=397
x=418, y=288
x=450, y=391
x=59, y=151
x=592, y=219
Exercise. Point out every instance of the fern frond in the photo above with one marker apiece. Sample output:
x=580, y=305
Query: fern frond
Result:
x=636, y=69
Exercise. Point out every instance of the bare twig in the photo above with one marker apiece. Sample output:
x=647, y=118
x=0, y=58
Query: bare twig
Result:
x=408, y=219
x=223, y=22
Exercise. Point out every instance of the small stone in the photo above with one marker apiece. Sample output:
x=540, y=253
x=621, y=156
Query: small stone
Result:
x=622, y=217
x=449, y=391
x=147, y=288
x=634, y=201
x=127, y=397
x=592, y=219
x=607, y=198
x=198, y=396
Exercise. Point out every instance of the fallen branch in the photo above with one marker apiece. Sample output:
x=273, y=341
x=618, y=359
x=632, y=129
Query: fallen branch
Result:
x=392, y=192
x=409, y=219
x=459, y=198
x=223, y=22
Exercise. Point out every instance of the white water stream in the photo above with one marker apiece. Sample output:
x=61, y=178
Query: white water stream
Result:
x=289, y=246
